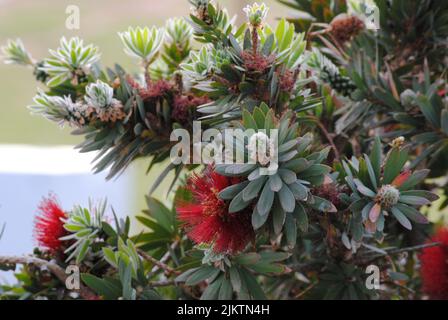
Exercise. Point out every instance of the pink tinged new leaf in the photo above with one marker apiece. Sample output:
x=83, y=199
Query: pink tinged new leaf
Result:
x=370, y=226
x=401, y=178
x=375, y=212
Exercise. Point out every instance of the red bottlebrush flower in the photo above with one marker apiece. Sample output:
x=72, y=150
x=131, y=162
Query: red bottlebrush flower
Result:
x=287, y=80
x=434, y=269
x=256, y=62
x=49, y=227
x=208, y=220
x=182, y=106
x=154, y=89
x=331, y=192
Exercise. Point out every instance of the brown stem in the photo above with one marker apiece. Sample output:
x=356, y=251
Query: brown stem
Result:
x=329, y=138
x=168, y=270
x=83, y=291
x=255, y=40
x=162, y=283
x=304, y=291
x=146, y=72
x=401, y=250
x=166, y=256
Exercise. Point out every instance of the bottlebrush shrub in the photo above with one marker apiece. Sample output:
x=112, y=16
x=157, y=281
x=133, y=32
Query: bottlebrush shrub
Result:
x=341, y=197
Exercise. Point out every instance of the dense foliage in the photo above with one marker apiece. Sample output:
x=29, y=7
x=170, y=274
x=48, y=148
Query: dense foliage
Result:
x=361, y=123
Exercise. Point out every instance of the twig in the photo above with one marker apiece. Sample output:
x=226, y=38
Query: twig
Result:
x=83, y=291
x=304, y=291
x=414, y=248
x=162, y=283
x=329, y=138
x=400, y=286
x=146, y=72
x=401, y=250
x=166, y=256
x=168, y=270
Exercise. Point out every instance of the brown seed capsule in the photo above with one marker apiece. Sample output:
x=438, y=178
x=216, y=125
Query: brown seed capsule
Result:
x=343, y=27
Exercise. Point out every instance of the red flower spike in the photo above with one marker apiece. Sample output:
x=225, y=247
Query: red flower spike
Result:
x=208, y=220
x=434, y=267
x=401, y=178
x=49, y=227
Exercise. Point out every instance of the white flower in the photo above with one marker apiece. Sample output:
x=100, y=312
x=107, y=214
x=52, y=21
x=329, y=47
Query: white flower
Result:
x=72, y=56
x=256, y=13
x=143, y=43
x=55, y=108
x=200, y=64
x=178, y=31
x=99, y=94
x=15, y=53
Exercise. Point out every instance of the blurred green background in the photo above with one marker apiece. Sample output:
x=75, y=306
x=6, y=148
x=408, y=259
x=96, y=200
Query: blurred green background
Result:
x=40, y=24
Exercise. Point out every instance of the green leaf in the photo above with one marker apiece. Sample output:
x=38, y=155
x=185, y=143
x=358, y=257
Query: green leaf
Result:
x=300, y=191
x=414, y=200
x=287, y=199
x=412, y=213
x=184, y=276
x=201, y=275
x=248, y=120
x=160, y=213
x=109, y=255
x=398, y=276
x=414, y=179
x=252, y=285
x=265, y=201
x=278, y=218
x=288, y=176
x=258, y=220
x=290, y=230
x=301, y=217
x=323, y=205
x=253, y=188
x=363, y=189
x=394, y=163
x=259, y=117
x=371, y=171
x=421, y=193
x=82, y=250
x=445, y=121
x=125, y=271
x=226, y=291
x=238, y=203
x=268, y=268
x=247, y=258
x=102, y=287
x=212, y=290
x=231, y=191
x=401, y=218
x=428, y=110
x=275, y=182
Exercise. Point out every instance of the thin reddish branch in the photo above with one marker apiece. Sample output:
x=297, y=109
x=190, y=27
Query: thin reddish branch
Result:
x=168, y=270
x=56, y=270
x=329, y=138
